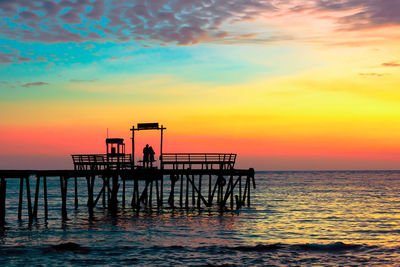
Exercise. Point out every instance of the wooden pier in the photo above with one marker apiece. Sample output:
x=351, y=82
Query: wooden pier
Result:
x=180, y=181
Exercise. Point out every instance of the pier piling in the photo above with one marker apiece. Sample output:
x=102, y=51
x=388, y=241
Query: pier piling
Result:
x=35, y=205
x=3, y=194
x=28, y=197
x=46, y=212
x=76, y=191
x=21, y=194
x=64, y=189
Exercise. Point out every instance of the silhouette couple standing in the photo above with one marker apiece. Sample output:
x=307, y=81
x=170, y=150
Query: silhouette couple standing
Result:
x=148, y=156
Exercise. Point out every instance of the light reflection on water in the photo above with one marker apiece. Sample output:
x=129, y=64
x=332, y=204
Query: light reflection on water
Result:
x=296, y=218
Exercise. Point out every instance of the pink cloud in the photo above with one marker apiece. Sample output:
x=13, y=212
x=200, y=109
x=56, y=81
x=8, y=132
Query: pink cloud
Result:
x=182, y=22
x=164, y=21
x=366, y=14
x=391, y=64
x=34, y=84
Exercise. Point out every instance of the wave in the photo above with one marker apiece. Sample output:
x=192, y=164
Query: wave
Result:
x=260, y=248
x=70, y=246
x=395, y=231
x=332, y=247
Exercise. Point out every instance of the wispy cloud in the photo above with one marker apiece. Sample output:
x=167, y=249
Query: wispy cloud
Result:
x=12, y=55
x=391, y=64
x=367, y=14
x=122, y=58
x=373, y=74
x=83, y=81
x=34, y=84
x=349, y=14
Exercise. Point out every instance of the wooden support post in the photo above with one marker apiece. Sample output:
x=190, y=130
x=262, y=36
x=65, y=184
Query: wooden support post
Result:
x=199, y=194
x=76, y=191
x=90, y=196
x=104, y=192
x=221, y=191
x=162, y=191
x=133, y=200
x=151, y=193
x=114, y=194
x=65, y=194
x=209, y=187
x=173, y=179
x=237, y=201
x=46, y=212
x=211, y=197
x=193, y=193
x=240, y=192
x=108, y=191
x=135, y=193
x=157, y=195
x=63, y=186
x=99, y=195
x=28, y=196
x=181, y=193
x=3, y=193
x=245, y=192
x=144, y=196
x=93, y=178
x=21, y=194
x=231, y=181
x=248, y=191
x=123, y=193
x=35, y=205
x=137, y=197
x=187, y=193
x=218, y=190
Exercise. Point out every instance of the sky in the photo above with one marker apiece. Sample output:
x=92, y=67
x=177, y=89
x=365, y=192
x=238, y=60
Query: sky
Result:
x=285, y=84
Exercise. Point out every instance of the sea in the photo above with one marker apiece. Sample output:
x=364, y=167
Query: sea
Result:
x=307, y=218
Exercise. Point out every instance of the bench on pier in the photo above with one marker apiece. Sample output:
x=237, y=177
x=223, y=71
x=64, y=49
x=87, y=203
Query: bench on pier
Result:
x=102, y=161
x=199, y=160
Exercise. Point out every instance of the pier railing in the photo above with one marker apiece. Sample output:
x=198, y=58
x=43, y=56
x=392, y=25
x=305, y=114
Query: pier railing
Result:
x=198, y=160
x=102, y=161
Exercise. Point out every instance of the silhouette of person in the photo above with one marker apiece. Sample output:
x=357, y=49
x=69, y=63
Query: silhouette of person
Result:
x=146, y=154
x=151, y=154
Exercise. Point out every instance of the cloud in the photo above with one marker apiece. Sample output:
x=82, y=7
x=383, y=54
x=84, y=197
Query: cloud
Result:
x=122, y=58
x=11, y=55
x=391, y=64
x=83, y=81
x=183, y=22
x=355, y=14
x=162, y=21
x=34, y=84
x=374, y=74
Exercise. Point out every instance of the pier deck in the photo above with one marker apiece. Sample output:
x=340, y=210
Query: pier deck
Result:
x=228, y=189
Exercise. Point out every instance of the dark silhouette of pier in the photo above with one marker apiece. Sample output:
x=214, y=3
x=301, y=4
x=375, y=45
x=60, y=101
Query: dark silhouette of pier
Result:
x=196, y=181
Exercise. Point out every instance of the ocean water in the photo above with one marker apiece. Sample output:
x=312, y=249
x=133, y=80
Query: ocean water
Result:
x=296, y=218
